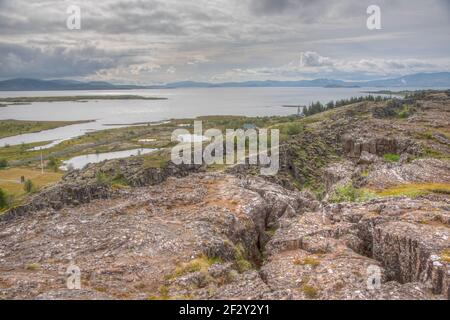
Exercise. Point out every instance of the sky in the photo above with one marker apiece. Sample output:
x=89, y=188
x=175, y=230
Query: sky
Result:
x=161, y=41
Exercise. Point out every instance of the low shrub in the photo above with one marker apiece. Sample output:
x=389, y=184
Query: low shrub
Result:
x=28, y=186
x=3, y=199
x=348, y=193
x=391, y=157
x=3, y=163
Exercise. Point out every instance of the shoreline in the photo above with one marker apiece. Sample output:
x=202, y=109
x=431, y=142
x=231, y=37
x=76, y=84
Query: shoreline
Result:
x=10, y=101
x=7, y=126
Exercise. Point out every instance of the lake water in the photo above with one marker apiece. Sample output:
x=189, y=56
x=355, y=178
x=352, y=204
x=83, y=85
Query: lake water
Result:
x=181, y=103
x=81, y=161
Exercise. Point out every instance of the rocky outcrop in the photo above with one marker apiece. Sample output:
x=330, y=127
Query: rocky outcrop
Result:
x=355, y=147
x=55, y=197
x=148, y=241
x=411, y=253
x=78, y=187
x=417, y=171
x=339, y=173
x=133, y=170
x=337, y=245
x=380, y=175
x=341, y=274
x=205, y=236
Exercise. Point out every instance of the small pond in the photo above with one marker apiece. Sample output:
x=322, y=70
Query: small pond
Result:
x=80, y=162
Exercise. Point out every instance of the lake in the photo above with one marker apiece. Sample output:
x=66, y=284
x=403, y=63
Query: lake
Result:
x=181, y=103
x=80, y=162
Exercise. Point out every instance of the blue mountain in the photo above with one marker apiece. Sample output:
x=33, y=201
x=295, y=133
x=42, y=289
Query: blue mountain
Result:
x=419, y=80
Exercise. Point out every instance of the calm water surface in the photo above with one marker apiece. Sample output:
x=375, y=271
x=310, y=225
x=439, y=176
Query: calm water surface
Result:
x=181, y=103
x=80, y=162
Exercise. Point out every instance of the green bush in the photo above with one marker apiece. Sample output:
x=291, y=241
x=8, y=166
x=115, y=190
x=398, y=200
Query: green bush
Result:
x=28, y=186
x=3, y=163
x=119, y=180
x=292, y=129
x=348, y=193
x=241, y=261
x=110, y=180
x=391, y=157
x=103, y=178
x=345, y=193
x=53, y=164
x=406, y=111
x=3, y=199
x=403, y=114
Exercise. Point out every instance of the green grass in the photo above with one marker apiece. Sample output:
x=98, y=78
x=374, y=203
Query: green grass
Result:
x=9, y=128
x=310, y=292
x=10, y=182
x=117, y=139
x=432, y=153
x=33, y=267
x=242, y=264
x=100, y=141
x=428, y=135
x=348, y=193
x=291, y=129
x=414, y=190
x=365, y=173
x=163, y=294
x=20, y=153
x=115, y=180
x=158, y=159
x=201, y=263
x=405, y=111
x=445, y=256
x=391, y=157
x=309, y=261
x=271, y=231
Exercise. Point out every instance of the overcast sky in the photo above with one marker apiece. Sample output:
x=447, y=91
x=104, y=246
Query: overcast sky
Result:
x=157, y=41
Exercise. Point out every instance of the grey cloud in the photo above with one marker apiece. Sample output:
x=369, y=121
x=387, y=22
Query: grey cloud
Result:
x=281, y=6
x=304, y=10
x=24, y=61
x=270, y=6
x=160, y=23
x=315, y=65
x=145, y=38
x=313, y=59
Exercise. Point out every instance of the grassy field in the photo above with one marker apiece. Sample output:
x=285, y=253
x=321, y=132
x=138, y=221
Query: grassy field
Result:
x=9, y=128
x=10, y=180
x=126, y=138
x=415, y=190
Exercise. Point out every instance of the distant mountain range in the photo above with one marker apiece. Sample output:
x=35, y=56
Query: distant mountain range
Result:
x=420, y=80
x=39, y=85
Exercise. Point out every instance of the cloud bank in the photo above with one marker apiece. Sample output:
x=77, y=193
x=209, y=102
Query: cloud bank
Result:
x=160, y=41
